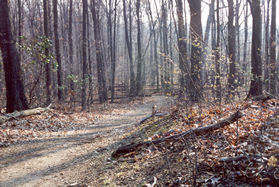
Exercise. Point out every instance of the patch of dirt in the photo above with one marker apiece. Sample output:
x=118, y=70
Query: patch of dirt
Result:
x=77, y=156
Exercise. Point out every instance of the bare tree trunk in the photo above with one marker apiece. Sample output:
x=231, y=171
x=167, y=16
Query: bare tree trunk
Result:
x=182, y=46
x=84, y=53
x=57, y=50
x=256, y=82
x=273, y=71
x=164, y=21
x=71, y=55
x=171, y=73
x=139, y=65
x=111, y=40
x=47, y=64
x=217, y=57
x=245, y=64
x=102, y=88
x=266, y=59
x=20, y=9
x=90, y=70
x=231, y=45
x=206, y=38
x=237, y=33
x=130, y=51
x=15, y=97
x=196, y=50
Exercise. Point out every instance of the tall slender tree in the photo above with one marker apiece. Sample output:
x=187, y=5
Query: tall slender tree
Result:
x=182, y=46
x=57, y=50
x=256, y=61
x=217, y=55
x=84, y=53
x=139, y=65
x=164, y=21
x=267, y=40
x=47, y=64
x=273, y=72
x=231, y=45
x=206, y=39
x=130, y=50
x=196, y=49
x=71, y=52
x=15, y=97
x=102, y=89
x=245, y=64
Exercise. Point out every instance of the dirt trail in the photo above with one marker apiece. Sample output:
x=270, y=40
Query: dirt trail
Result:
x=71, y=159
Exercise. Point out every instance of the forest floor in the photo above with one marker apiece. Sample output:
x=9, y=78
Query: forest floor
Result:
x=60, y=148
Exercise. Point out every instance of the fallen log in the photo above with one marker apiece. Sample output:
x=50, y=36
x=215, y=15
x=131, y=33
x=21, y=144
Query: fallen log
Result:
x=24, y=113
x=197, y=132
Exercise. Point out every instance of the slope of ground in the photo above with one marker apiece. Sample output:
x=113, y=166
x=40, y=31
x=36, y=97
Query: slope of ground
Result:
x=74, y=153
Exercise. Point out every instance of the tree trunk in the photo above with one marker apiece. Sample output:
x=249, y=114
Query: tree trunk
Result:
x=20, y=9
x=196, y=50
x=182, y=46
x=165, y=67
x=267, y=57
x=130, y=51
x=47, y=64
x=111, y=40
x=231, y=45
x=71, y=52
x=206, y=38
x=256, y=82
x=15, y=97
x=217, y=57
x=57, y=50
x=273, y=71
x=102, y=89
x=90, y=70
x=139, y=65
x=84, y=53
x=245, y=64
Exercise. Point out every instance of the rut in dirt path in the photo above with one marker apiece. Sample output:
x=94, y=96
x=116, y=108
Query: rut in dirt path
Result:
x=55, y=161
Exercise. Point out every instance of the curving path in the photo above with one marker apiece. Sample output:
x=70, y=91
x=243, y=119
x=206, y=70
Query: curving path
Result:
x=72, y=159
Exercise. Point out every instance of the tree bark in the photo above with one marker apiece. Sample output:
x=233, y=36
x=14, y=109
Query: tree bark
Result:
x=245, y=63
x=15, y=98
x=130, y=51
x=256, y=59
x=47, y=64
x=273, y=71
x=20, y=9
x=231, y=45
x=57, y=51
x=71, y=52
x=267, y=57
x=182, y=47
x=102, y=89
x=139, y=65
x=206, y=38
x=84, y=53
x=166, y=79
x=196, y=50
x=217, y=57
